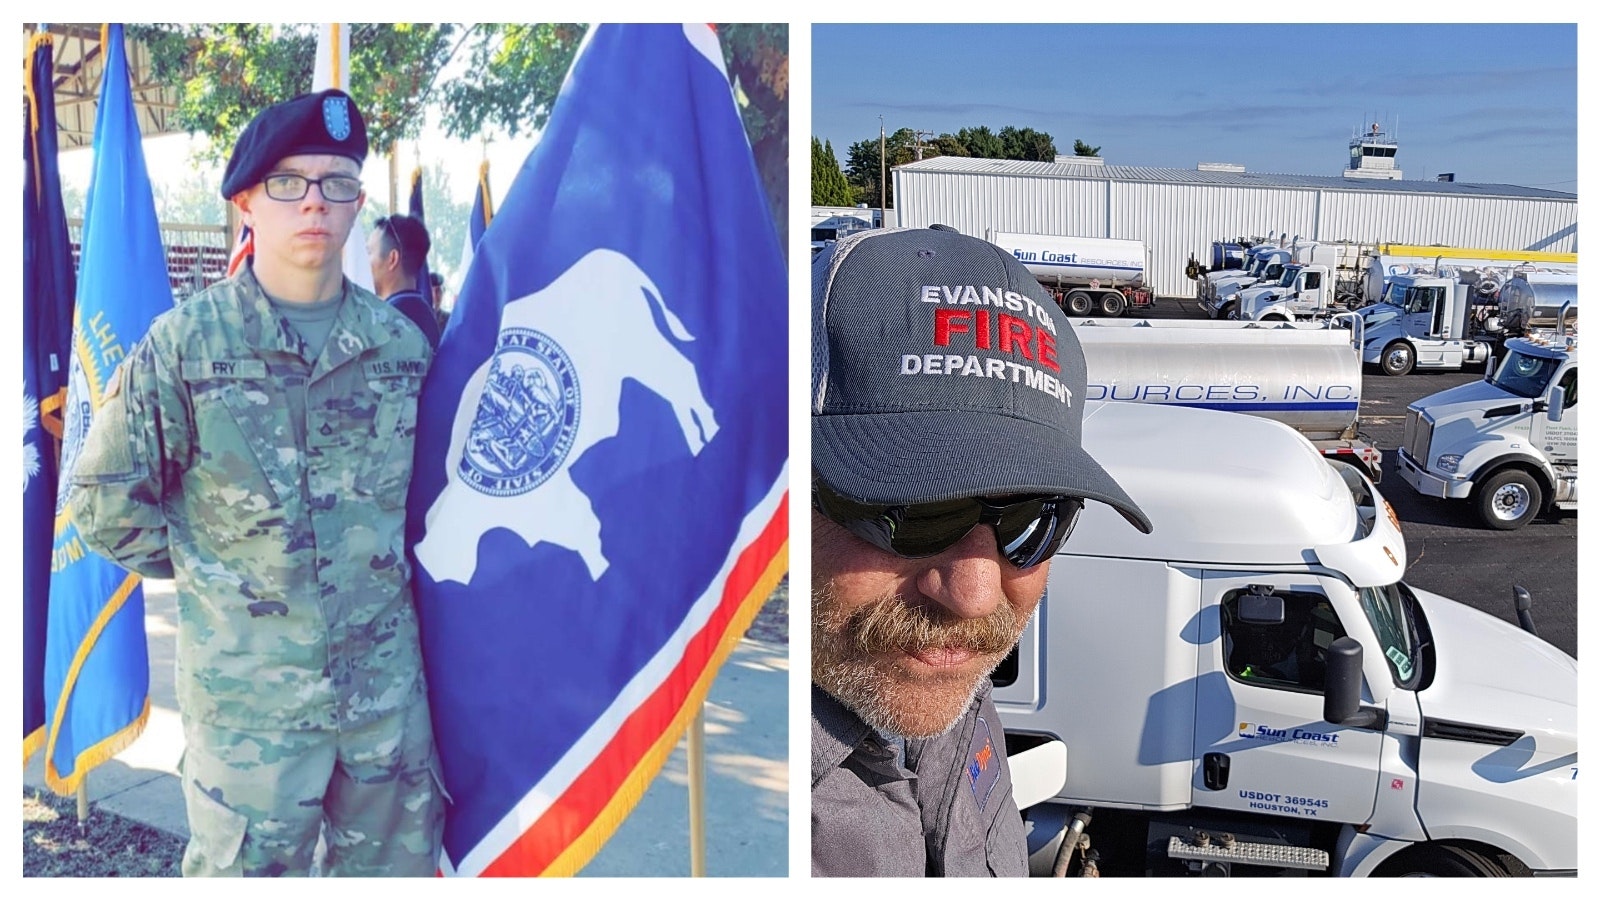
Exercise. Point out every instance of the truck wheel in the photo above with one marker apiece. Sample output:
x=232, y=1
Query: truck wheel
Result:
x=1442, y=861
x=1397, y=359
x=1112, y=304
x=1274, y=318
x=1509, y=499
x=1229, y=311
x=1079, y=303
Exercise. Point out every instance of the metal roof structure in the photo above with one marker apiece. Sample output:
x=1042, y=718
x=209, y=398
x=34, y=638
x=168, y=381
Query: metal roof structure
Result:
x=1101, y=172
x=78, y=62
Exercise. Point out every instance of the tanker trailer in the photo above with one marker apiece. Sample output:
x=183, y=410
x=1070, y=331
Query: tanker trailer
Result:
x=1534, y=300
x=1083, y=274
x=1305, y=375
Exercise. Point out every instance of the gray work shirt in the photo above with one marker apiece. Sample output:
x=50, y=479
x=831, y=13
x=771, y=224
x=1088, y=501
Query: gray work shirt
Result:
x=941, y=806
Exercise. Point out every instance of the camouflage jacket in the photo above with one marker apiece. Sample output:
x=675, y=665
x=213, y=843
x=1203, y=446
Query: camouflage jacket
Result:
x=286, y=539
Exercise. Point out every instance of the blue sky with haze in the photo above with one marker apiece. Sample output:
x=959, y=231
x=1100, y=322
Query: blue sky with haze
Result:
x=1491, y=103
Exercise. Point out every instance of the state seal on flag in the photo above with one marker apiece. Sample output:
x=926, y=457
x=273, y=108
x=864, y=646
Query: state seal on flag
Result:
x=527, y=417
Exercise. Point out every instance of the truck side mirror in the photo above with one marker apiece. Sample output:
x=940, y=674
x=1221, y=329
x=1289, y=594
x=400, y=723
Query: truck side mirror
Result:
x=1341, y=688
x=1558, y=403
x=1488, y=368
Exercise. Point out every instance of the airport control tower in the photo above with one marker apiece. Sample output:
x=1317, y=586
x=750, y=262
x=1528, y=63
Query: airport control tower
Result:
x=1372, y=155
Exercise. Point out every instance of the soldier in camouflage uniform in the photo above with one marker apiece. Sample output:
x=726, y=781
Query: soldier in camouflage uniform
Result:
x=256, y=447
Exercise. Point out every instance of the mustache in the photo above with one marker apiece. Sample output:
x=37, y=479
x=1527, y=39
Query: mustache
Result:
x=890, y=625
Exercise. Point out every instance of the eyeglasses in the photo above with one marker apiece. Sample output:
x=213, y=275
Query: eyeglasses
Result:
x=1027, y=531
x=394, y=236
x=334, y=188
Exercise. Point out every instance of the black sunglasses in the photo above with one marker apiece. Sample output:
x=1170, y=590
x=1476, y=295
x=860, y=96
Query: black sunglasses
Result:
x=1027, y=531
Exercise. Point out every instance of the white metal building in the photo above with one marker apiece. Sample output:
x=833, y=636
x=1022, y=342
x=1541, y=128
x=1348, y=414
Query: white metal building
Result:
x=1179, y=212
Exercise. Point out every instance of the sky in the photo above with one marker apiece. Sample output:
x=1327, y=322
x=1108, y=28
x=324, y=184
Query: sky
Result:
x=1492, y=103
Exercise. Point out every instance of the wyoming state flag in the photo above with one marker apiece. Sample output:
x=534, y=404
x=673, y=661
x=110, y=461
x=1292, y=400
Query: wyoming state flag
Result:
x=599, y=505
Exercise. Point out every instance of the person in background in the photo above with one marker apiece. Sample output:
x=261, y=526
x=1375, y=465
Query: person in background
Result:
x=439, y=312
x=397, y=248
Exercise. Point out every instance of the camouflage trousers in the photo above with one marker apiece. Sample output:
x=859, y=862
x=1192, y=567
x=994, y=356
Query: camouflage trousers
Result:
x=258, y=801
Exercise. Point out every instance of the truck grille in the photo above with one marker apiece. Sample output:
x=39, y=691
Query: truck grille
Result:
x=1419, y=433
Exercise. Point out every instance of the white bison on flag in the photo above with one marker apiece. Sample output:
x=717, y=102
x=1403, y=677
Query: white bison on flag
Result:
x=551, y=390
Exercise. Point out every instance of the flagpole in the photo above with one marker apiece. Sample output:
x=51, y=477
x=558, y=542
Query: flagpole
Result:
x=83, y=806
x=697, y=795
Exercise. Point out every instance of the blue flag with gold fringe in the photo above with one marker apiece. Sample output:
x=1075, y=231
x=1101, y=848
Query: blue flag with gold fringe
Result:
x=600, y=500
x=97, y=674
x=47, y=289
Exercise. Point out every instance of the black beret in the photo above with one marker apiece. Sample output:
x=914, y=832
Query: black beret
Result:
x=324, y=122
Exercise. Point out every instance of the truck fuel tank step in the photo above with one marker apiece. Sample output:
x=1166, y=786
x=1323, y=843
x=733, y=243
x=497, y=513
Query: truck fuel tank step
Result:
x=1204, y=847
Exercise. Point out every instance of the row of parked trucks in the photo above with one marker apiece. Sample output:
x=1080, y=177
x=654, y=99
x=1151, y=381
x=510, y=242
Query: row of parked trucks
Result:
x=1507, y=445
x=1426, y=307
x=1286, y=703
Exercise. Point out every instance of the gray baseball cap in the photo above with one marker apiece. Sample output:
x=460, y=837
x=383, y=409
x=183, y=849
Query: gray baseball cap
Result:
x=941, y=369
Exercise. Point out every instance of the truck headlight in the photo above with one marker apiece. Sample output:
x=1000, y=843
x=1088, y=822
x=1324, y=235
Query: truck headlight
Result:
x=1449, y=462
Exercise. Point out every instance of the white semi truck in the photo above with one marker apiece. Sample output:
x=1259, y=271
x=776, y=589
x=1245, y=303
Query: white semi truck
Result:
x=1507, y=444
x=1234, y=266
x=1303, y=293
x=1252, y=688
x=1446, y=319
x=1307, y=376
x=1217, y=288
x=1084, y=274
x=1340, y=275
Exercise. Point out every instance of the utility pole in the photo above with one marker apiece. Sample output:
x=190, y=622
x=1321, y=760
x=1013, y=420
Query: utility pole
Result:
x=883, y=175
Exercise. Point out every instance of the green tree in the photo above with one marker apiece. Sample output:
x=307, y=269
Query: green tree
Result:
x=757, y=58
x=1079, y=148
x=228, y=72
x=981, y=142
x=949, y=145
x=828, y=184
x=1028, y=144
x=481, y=78
x=864, y=169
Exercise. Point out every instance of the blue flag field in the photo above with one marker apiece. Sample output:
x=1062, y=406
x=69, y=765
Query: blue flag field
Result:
x=97, y=673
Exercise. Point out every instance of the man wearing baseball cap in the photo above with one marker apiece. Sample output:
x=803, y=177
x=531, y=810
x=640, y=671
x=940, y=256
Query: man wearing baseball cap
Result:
x=946, y=422
x=255, y=447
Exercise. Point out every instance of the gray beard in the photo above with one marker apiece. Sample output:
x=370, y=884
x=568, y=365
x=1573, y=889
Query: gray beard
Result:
x=881, y=702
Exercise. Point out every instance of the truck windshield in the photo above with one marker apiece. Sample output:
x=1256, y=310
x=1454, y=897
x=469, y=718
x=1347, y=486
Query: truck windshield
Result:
x=1389, y=610
x=1394, y=294
x=1290, y=273
x=1525, y=375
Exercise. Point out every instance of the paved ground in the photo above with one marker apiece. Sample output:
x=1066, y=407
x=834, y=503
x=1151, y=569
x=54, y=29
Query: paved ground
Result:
x=747, y=772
